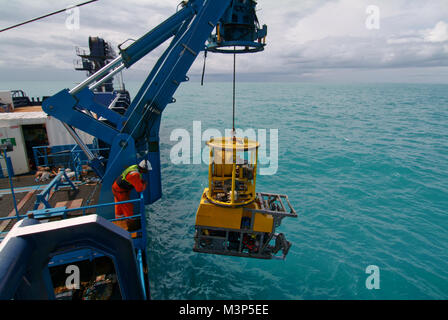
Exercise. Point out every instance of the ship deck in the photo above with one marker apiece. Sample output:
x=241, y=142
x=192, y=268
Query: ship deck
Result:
x=28, y=109
x=26, y=191
x=99, y=278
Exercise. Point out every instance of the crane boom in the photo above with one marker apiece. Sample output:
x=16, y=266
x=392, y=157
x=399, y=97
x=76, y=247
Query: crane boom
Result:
x=134, y=136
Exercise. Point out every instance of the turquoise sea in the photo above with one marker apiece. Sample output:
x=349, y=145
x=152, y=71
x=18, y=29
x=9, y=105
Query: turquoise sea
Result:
x=364, y=165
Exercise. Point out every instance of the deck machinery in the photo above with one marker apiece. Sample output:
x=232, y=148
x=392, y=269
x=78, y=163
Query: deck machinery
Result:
x=232, y=218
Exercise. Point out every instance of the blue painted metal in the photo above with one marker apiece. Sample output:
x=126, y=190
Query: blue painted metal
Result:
x=15, y=258
x=105, y=98
x=76, y=161
x=13, y=218
x=10, y=175
x=238, y=30
x=144, y=113
x=122, y=154
x=66, y=108
x=80, y=253
x=9, y=166
x=73, y=257
x=1, y=169
x=49, y=213
x=42, y=287
x=134, y=135
x=86, y=99
x=55, y=184
x=25, y=251
x=141, y=271
x=66, y=156
x=157, y=36
x=26, y=189
x=189, y=27
x=139, y=210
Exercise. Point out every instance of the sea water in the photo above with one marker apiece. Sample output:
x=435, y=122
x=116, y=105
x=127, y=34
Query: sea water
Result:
x=365, y=166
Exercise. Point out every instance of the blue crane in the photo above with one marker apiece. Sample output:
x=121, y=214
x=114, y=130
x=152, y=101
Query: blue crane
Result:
x=134, y=136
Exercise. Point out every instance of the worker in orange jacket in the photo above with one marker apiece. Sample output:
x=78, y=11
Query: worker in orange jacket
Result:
x=130, y=179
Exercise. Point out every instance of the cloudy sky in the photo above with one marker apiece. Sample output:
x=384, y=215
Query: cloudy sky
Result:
x=308, y=40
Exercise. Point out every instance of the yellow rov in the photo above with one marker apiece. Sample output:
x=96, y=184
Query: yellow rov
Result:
x=232, y=218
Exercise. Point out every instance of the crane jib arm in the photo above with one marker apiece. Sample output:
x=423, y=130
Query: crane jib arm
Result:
x=135, y=135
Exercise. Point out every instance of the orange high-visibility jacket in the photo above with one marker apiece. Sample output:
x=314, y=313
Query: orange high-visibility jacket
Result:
x=130, y=178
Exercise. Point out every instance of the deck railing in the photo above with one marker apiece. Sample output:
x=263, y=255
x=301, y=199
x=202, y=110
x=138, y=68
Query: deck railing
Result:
x=68, y=156
x=65, y=212
x=54, y=185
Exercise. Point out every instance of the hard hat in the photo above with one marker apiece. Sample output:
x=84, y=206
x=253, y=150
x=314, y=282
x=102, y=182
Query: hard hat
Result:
x=145, y=165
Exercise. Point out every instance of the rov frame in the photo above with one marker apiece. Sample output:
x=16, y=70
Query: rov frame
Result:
x=218, y=241
x=227, y=224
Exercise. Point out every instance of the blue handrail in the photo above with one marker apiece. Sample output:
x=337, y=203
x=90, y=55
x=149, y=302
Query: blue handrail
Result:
x=83, y=209
x=55, y=183
x=67, y=156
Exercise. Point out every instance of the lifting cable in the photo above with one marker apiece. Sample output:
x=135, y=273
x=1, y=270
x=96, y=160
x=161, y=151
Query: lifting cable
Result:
x=47, y=15
x=234, y=77
x=203, y=68
x=89, y=199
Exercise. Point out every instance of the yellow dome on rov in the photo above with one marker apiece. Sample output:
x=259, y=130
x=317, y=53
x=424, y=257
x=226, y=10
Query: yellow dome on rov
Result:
x=232, y=171
x=230, y=143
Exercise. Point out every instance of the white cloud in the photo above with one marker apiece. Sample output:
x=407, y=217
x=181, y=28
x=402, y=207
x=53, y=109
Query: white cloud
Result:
x=439, y=33
x=333, y=19
x=334, y=36
x=306, y=38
